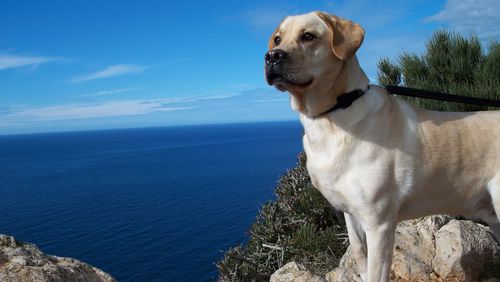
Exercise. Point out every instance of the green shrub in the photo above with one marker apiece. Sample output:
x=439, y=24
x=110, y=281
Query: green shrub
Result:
x=451, y=64
x=299, y=226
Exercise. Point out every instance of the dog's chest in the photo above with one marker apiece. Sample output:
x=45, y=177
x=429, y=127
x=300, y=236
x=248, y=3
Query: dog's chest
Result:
x=342, y=166
x=327, y=158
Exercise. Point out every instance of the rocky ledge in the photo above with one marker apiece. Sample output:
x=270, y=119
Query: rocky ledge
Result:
x=21, y=262
x=434, y=248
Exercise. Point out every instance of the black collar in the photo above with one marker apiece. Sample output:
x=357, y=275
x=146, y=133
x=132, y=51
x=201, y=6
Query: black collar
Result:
x=345, y=100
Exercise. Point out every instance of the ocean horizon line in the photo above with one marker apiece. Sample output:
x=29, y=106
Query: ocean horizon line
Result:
x=142, y=127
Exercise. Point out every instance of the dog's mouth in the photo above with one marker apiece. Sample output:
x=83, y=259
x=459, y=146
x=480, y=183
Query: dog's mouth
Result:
x=282, y=82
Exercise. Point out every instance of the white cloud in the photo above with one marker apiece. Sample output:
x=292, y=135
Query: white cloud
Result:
x=15, y=61
x=265, y=18
x=23, y=114
x=371, y=14
x=272, y=100
x=114, y=70
x=199, y=98
x=480, y=16
x=9, y=124
x=96, y=110
x=110, y=92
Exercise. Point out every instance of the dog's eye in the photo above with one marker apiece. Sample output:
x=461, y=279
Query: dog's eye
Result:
x=277, y=40
x=307, y=36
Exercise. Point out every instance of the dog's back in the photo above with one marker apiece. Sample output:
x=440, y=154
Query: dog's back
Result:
x=452, y=146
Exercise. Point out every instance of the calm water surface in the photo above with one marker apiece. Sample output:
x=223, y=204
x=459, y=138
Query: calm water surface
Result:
x=156, y=204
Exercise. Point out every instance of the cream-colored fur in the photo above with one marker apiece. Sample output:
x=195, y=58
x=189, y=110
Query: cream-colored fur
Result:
x=381, y=160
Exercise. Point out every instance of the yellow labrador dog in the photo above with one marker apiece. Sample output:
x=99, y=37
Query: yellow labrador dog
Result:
x=373, y=156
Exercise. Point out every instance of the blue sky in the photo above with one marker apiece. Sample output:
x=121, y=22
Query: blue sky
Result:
x=81, y=65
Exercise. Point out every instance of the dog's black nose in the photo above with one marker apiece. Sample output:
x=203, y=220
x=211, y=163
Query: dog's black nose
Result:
x=275, y=56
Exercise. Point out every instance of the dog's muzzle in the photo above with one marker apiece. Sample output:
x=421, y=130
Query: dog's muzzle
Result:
x=277, y=74
x=275, y=60
x=275, y=57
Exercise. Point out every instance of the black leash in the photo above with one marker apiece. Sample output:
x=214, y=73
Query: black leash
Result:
x=346, y=99
x=405, y=91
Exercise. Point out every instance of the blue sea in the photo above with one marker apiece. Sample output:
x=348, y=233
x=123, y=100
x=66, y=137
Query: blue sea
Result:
x=153, y=204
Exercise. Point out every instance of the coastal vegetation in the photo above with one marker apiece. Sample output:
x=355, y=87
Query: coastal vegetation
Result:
x=452, y=64
x=299, y=225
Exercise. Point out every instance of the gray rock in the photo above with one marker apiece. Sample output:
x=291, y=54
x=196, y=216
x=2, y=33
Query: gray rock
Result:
x=466, y=251
x=414, y=247
x=437, y=248
x=434, y=248
x=24, y=262
x=347, y=260
x=342, y=274
x=295, y=272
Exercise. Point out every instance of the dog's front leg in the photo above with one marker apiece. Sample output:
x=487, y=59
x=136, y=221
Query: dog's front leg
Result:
x=357, y=240
x=380, y=241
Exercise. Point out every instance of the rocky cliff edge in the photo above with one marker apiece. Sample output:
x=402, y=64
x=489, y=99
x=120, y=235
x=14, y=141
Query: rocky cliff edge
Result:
x=24, y=262
x=434, y=248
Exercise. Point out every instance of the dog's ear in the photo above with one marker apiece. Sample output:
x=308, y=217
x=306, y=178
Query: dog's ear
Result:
x=271, y=43
x=346, y=35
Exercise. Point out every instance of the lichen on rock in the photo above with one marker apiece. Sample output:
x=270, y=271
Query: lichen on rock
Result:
x=24, y=262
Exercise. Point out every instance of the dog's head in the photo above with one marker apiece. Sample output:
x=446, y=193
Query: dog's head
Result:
x=306, y=57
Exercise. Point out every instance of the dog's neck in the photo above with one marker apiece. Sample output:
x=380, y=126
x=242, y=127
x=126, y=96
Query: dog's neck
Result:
x=351, y=78
x=323, y=96
x=355, y=78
